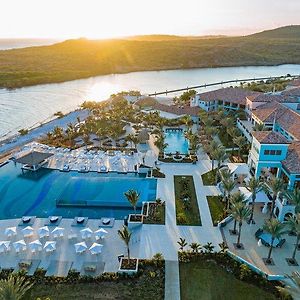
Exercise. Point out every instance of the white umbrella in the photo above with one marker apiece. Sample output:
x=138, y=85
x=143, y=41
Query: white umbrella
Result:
x=27, y=231
x=20, y=245
x=96, y=248
x=10, y=231
x=43, y=231
x=80, y=247
x=86, y=233
x=4, y=246
x=35, y=246
x=50, y=246
x=58, y=232
x=100, y=233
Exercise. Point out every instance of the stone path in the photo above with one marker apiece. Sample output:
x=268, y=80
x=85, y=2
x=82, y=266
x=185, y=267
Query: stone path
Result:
x=172, y=282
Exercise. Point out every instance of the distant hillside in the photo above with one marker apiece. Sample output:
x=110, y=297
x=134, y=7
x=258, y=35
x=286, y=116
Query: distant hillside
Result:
x=163, y=37
x=74, y=59
x=286, y=32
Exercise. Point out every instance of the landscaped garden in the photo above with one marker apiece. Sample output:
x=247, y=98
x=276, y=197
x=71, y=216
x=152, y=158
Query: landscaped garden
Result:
x=187, y=210
x=147, y=284
x=217, y=208
x=156, y=213
x=209, y=178
x=216, y=276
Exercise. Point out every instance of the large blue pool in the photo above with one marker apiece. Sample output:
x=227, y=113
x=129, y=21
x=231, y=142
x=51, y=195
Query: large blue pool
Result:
x=50, y=192
x=176, y=142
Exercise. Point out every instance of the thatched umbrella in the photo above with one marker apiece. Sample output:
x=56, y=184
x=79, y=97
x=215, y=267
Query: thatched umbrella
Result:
x=143, y=136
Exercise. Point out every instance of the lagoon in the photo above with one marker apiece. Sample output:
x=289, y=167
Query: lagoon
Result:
x=29, y=106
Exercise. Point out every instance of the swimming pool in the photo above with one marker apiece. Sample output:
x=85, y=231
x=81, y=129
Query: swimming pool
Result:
x=176, y=142
x=50, y=192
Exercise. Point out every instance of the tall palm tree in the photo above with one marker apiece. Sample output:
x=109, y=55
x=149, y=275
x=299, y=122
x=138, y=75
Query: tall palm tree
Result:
x=254, y=186
x=276, y=230
x=211, y=147
x=220, y=155
x=133, y=197
x=240, y=141
x=228, y=187
x=237, y=201
x=242, y=212
x=274, y=186
x=125, y=235
x=14, y=287
x=293, y=223
x=294, y=197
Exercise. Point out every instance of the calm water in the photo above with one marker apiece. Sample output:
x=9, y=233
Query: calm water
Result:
x=27, y=107
x=176, y=142
x=37, y=193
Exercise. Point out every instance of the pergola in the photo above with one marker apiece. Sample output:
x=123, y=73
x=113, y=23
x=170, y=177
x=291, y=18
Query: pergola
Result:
x=33, y=160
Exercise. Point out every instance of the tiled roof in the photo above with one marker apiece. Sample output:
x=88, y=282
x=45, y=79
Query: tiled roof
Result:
x=269, y=137
x=292, y=92
x=186, y=110
x=230, y=94
x=292, y=161
x=265, y=98
x=288, y=119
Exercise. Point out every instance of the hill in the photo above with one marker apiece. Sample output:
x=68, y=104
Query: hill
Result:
x=286, y=32
x=74, y=59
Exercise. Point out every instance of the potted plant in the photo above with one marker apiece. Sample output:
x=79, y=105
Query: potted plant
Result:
x=127, y=265
x=135, y=219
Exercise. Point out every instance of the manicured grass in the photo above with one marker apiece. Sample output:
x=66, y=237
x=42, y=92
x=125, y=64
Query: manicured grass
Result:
x=205, y=280
x=209, y=178
x=216, y=207
x=184, y=185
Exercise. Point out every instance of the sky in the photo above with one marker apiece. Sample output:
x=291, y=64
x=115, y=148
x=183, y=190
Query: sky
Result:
x=115, y=18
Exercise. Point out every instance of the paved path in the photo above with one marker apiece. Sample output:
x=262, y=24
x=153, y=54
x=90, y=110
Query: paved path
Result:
x=172, y=284
x=39, y=131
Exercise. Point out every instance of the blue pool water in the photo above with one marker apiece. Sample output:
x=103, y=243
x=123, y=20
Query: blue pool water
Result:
x=176, y=142
x=90, y=194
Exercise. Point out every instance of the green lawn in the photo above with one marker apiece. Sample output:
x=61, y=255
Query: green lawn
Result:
x=209, y=178
x=204, y=280
x=186, y=216
x=216, y=207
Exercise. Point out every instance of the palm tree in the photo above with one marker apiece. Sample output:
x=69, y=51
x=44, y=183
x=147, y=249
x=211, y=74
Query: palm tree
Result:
x=240, y=141
x=209, y=247
x=294, y=197
x=293, y=223
x=259, y=127
x=133, y=197
x=211, y=147
x=14, y=287
x=182, y=243
x=255, y=185
x=228, y=187
x=220, y=155
x=274, y=186
x=276, y=230
x=196, y=247
x=187, y=120
x=237, y=199
x=125, y=235
x=242, y=213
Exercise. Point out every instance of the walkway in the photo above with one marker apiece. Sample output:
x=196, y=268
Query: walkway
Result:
x=172, y=284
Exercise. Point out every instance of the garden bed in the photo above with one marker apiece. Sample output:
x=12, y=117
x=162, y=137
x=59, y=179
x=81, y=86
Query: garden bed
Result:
x=209, y=178
x=187, y=210
x=156, y=214
x=217, y=209
x=148, y=283
x=217, y=276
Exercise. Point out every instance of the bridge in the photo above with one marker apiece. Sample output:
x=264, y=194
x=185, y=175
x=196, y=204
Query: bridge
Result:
x=223, y=82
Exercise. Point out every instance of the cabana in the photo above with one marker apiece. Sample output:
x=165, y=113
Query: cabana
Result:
x=27, y=231
x=4, y=246
x=50, y=246
x=86, y=233
x=43, y=231
x=100, y=233
x=58, y=232
x=96, y=248
x=80, y=247
x=20, y=246
x=35, y=246
x=34, y=160
x=10, y=231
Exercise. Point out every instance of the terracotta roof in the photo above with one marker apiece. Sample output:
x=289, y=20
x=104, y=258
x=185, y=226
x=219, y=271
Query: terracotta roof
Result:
x=292, y=92
x=288, y=119
x=292, y=161
x=265, y=98
x=186, y=110
x=230, y=94
x=269, y=137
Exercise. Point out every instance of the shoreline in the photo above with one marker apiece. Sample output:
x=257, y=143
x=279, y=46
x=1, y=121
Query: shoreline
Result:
x=146, y=70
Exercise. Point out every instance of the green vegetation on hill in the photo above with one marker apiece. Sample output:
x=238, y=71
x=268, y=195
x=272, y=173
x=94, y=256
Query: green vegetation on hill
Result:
x=74, y=59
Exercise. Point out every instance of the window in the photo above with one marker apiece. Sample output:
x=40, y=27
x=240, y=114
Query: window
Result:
x=278, y=152
x=267, y=152
x=272, y=152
